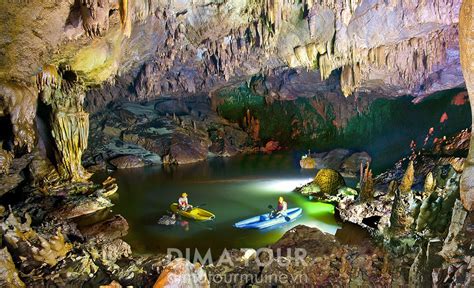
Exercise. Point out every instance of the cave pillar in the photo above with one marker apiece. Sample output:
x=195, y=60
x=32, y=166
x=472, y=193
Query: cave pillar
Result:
x=466, y=46
x=70, y=131
x=64, y=93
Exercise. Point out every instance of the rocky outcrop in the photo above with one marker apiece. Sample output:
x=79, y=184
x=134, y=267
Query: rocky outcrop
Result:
x=342, y=160
x=182, y=273
x=106, y=230
x=163, y=131
x=306, y=256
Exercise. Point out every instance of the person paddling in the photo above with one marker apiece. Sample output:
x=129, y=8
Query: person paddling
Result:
x=183, y=202
x=281, y=207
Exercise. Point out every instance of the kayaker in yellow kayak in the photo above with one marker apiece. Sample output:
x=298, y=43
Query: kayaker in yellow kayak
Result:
x=183, y=203
x=282, y=207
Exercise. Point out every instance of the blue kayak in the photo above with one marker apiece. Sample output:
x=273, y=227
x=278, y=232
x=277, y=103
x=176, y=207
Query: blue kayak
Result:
x=265, y=221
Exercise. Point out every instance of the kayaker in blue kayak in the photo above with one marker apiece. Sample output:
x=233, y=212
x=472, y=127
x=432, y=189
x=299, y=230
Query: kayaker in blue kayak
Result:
x=281, y=209
x=183, y=202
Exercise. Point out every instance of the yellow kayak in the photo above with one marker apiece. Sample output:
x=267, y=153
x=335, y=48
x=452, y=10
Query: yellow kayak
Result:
x=196, y=213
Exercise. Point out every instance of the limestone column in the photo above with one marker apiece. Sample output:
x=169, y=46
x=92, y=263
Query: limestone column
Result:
x=466, y=46
x=64, y=93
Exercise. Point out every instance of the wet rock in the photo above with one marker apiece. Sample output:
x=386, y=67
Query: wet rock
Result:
x=109, y=187
x=167, y=220
x=182, y=273
x=127, y=161
x=107, y=230
x=8, y=274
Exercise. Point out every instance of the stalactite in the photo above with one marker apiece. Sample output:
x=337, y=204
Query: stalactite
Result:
x=95, y=16
x=125, y=18
x=21, y=103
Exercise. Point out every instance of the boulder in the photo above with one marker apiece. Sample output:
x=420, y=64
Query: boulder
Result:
x=329, y=180
x=271, y=146
x=332, y=159
x=351, y=164
x=314, y=241
x=127, y=161
x=167, y=220
x=79, y=205
x=106, y=230
x=181, y=273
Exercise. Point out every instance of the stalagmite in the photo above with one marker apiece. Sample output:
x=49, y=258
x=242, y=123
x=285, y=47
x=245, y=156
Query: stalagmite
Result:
x=366, y=183
x=430, y=184
x=408, y=178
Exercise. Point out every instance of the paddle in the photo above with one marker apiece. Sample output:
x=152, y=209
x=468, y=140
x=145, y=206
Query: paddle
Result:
x=287, y=219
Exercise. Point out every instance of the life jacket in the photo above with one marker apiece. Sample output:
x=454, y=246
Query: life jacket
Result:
x=183, y=202
x=282, y=206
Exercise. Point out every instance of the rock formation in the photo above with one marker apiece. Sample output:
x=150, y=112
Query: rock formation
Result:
x=63, y=93
x=220, y=78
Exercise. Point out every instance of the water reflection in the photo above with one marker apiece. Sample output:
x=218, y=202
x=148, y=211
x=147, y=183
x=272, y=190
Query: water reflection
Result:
x=233, y=189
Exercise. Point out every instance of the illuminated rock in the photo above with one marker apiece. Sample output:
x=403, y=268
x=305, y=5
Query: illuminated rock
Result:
x=329, y=181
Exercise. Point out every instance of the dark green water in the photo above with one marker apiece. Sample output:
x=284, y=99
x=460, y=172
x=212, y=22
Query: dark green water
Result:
x=233, y=189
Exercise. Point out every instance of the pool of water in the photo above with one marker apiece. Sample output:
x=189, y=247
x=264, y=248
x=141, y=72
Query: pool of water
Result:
x=233, y=189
